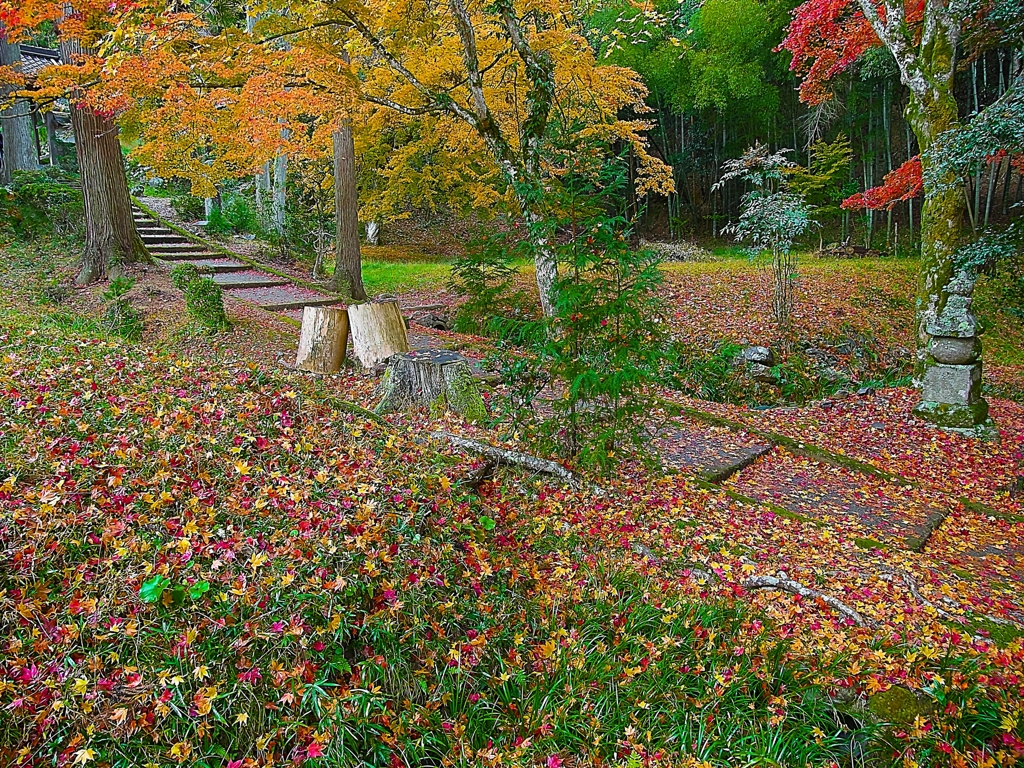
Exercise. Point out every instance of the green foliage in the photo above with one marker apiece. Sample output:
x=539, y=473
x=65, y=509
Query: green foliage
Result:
x=120, y=317
x=486, y=275
x=600, y=354
x=152, y=589
x=824, y=184
x=188, y=207
x=309, y=226
x=204, y=301
x=183, y=274
x=42, y=203
x=235, y=216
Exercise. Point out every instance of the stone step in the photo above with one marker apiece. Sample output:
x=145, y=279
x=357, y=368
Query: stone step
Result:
x=219, y=266
x=863, y=506
x=190, y=256
x=711, y=453
x=178, y=247
x=248, y=279
x=156, y=237
x=284, y=297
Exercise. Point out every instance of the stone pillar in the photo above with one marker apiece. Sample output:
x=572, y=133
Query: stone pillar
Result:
x=951, y=386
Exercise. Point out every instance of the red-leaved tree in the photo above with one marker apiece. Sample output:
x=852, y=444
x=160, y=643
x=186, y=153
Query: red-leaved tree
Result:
x=828, y=36
x=901, y=184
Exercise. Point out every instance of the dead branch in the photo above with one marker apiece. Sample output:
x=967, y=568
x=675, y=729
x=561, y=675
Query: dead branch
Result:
x=480, y=475
x=915, y=591
x=503, y=457
x=784, y=583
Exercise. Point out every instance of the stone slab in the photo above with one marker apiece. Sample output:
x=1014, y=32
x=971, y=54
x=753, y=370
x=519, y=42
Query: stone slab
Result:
x=711, y=453
x=952, y=384
x=218, y=266
x=248, y=279
x=856, y=504
x=284, y=297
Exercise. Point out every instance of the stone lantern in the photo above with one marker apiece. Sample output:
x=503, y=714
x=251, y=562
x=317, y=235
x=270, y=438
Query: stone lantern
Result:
x=951, y=387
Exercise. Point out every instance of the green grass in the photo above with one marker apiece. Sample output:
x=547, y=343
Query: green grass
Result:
x=391, y=277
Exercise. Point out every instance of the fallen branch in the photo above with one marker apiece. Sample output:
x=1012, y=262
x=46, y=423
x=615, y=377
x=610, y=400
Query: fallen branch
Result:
x=915, y=591
x=480, y=475
x=786, y=584
x=503, y=457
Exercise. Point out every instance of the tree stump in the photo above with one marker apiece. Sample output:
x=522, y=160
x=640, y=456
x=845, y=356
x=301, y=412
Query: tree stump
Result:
x=378, y=332
x=436, y=379
x=322, y=339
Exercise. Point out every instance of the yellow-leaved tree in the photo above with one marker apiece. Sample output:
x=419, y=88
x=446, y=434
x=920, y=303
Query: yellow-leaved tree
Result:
x=211, y=97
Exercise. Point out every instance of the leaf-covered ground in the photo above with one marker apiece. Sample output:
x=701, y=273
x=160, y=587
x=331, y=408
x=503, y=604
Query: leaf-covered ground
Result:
x=208, y=560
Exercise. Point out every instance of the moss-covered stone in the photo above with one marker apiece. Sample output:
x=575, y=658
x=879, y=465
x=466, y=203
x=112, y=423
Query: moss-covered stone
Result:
x=899, y=705
x=967, y=417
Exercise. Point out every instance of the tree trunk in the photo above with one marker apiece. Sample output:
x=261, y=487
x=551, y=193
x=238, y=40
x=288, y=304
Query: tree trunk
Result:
x=278, y=195
x=942, y=218
x=16, y=121
x=435, y=379
x=378, y=332
x=110, y=237
x=322, y=340
x=348, y=271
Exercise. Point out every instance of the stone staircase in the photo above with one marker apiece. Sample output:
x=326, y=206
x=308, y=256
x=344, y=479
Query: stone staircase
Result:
x=787, y=480
x=238, y=279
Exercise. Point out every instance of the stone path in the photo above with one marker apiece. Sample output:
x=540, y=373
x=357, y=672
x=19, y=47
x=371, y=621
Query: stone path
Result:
x=868, y=507
x=238, y=279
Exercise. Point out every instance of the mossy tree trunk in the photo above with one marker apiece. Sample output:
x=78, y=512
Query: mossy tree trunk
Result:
x=942, y=218
x=111, y=240
x=16, y=120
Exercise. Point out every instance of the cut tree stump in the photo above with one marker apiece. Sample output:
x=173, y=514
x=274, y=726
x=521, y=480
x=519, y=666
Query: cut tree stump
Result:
x=322, y=339
x=378, y=332
x=433, y=378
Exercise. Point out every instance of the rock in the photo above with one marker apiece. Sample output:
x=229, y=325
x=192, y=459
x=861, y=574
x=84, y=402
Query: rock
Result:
x=900, y=706
x=953, y=384
x=759, y=355
x=955, y=351
x=865, y=391
x=956, y=319
x=431, y=320
x=877, y=425
x=761, y=373
x=841, y=394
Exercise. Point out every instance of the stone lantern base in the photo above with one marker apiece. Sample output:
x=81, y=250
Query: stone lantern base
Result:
x=951, y=398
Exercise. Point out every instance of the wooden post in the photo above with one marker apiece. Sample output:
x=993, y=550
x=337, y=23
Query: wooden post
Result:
x=378, y=332
x=433, y=378
x=322, y=339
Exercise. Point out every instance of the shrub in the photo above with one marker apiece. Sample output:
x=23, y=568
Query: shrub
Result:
x=183, y=274
x=204, y=301
x=234, y=216
x=188, y=207
x=120, y=317
x=41, y=203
